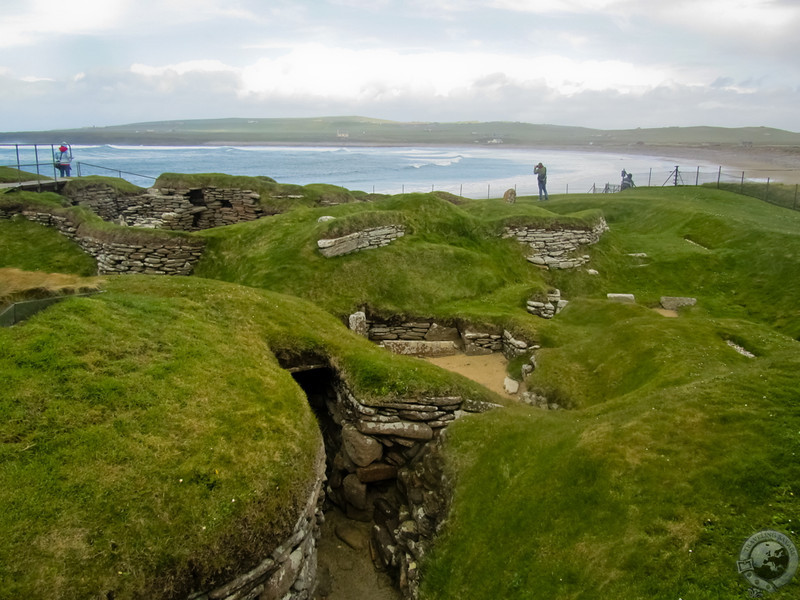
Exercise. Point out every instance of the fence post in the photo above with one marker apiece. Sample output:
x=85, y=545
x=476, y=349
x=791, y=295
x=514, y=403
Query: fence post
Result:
x=676, y=175
x=488, y=190
x=719, y=174
x=766, y=192
x=650, y=177
x=697, y=177
x=741, y=188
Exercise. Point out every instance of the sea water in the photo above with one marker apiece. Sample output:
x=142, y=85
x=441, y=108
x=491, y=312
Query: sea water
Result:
x=473, y=172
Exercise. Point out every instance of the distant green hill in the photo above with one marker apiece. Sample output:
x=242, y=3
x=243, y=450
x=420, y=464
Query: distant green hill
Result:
x=365, y=131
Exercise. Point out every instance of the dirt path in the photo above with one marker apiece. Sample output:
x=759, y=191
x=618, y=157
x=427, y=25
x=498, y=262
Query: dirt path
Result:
x=345, y=569
x=489, y=370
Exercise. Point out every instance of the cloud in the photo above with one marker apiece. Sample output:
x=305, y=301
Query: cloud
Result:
x=323, y=71
x=581, y=62
x=29, y=22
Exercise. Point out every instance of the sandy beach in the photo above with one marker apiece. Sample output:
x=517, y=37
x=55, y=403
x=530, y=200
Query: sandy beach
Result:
x=779, y=164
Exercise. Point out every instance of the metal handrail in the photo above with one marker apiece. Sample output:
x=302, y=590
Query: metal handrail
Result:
x=119, y=171
x=51, y=162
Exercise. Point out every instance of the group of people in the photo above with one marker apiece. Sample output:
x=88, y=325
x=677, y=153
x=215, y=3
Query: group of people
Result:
x=541, y=174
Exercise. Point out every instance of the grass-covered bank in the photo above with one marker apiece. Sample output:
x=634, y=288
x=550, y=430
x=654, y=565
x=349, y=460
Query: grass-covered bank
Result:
x=451, y=263
x=152, y=444
x=675, y=449
x=738, y=256
x=678, y=450
x=32, y=247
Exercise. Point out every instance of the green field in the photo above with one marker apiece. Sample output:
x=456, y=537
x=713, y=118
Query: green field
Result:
x=131, y=420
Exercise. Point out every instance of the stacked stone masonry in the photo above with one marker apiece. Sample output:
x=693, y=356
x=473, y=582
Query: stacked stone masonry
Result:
x=374, y=237
x=290, y=571
x=384, y=468
x=159, y=256
x=547, y=307
x=555, y=248
x=177, y=209
x=411, y=337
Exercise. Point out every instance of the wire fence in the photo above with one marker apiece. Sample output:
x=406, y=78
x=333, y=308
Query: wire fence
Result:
x=756, y=182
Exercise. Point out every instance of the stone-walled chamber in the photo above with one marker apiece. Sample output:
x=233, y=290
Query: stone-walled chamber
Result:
x=166, y=208
x=554, y=248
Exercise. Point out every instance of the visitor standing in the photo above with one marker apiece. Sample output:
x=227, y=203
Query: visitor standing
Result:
x=63, y=159
x=627, y=180
x=541, y=174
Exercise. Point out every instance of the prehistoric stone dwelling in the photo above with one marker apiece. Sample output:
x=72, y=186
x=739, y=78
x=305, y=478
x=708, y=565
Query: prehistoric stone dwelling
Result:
x=380, y=462
x=178, y=209
x=147, y=254
x=554, y=248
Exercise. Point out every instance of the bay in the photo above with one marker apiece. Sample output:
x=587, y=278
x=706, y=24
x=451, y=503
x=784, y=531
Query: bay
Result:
x=467, y=171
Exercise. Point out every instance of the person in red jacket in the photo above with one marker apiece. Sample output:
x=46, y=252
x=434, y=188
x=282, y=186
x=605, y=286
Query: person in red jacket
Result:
x=63, y=160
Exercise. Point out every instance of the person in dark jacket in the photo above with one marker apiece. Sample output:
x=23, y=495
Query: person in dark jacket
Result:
x=541, y=174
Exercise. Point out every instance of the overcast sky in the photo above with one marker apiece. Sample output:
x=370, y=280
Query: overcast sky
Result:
x=598, y=63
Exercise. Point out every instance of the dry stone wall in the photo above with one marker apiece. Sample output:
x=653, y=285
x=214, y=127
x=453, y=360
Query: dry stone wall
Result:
x=547, y=307
x=555, y=248
x=290, y=571
x=374, y=237
x=160, y=255
x=426, y=337
x=382, y=468
x=177, y=209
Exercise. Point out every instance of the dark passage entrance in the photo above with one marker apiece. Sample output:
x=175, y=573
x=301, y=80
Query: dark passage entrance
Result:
x=345, y=567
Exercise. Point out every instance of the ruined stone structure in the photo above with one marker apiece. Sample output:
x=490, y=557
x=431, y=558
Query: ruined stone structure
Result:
x=554, y=248
x=426, y=337
x=374, y=237
x=154, y=255
x=547, y=307
x=177, y=209
x=384, y=467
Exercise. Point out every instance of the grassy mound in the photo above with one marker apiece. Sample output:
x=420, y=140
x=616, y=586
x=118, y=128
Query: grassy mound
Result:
x=451, y=263
x=152, y=445
x=738, y=256
x=12, y=175
x=275, y=197
x=17, y=285
x=77, y=185
x=30, y=246
x=676, y=447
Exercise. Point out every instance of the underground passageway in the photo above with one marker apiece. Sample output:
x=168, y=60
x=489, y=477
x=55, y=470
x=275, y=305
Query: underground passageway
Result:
x=345, y=569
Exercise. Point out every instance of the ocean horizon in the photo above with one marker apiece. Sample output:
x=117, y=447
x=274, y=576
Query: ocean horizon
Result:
x=466, y=171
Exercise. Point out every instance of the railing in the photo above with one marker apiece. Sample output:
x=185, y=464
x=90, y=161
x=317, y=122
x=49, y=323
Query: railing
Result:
x=81, y=165
x=49, y=162
x=38, y=164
